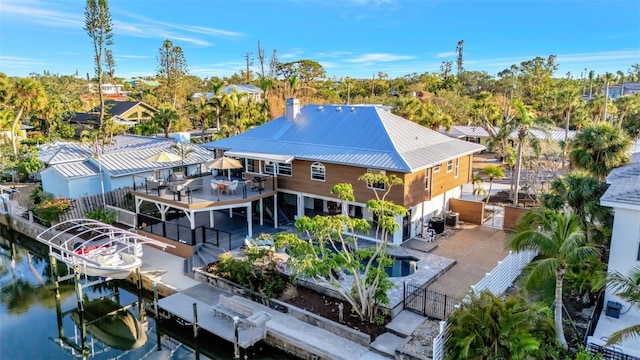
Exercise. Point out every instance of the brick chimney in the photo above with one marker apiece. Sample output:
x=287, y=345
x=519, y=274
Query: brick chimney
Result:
x=292, y=109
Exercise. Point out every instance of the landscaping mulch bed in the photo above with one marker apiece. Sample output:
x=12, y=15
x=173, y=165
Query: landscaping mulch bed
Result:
x=327, y=307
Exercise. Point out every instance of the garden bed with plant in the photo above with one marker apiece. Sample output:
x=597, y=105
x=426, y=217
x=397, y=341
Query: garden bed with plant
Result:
x=260, y=274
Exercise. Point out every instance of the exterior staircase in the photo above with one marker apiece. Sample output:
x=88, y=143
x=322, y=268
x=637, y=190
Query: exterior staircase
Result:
x=203, y=255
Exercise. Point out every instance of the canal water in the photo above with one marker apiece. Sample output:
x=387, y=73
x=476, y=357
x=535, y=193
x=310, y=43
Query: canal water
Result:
x=36, y=325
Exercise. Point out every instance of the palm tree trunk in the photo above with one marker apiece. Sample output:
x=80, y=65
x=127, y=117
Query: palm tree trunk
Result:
x=557, y=316
x=14, y=133
x=566, y=138
x=517, y=174
x=489, y=193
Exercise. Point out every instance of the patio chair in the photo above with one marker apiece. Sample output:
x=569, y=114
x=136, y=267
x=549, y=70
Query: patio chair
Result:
x=178, y=176
x=232, y=188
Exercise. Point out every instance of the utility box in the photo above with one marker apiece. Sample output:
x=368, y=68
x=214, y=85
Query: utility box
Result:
x=452, y=219
x=613, y=309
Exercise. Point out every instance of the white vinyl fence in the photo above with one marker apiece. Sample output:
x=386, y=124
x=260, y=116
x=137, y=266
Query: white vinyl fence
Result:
x=497, y=282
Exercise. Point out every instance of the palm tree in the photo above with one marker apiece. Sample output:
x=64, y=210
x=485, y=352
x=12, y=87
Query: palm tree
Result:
x=524, y=123
x=569, y=99
x=165, y=118
x=626, y=104
x=488, y=328
x=599, y=148
x=26, y=95
x=492, y=172
x=558, y=238
x=627, y=288
x=476, y=180
x=591, y=76
x=581, y=192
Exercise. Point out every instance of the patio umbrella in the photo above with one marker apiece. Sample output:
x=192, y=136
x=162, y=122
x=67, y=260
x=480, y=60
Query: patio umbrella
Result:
x=163, y=157
x=225, y=163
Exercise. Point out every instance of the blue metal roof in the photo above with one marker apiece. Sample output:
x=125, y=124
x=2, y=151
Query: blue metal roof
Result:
x=363, y=135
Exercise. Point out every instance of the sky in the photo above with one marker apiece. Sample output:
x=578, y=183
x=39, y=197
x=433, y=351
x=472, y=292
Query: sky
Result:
x=354, y=38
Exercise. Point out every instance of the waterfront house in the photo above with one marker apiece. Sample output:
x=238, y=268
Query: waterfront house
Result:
x=310, y=149
x=74, y=170
x=623, y=195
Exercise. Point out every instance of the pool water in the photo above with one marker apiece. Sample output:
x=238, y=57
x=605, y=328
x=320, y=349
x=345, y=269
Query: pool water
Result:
x=402, y=266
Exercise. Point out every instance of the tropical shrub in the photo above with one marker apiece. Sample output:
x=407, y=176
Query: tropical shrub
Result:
x=257, y=271
x=107, y=216
x=49, y=210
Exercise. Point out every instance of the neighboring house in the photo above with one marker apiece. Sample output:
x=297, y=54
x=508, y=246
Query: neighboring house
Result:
x=623, y=196
x=628, y=88
x=311, y=149
x=251, y=91
x=121, y=112
x=107, y=89
x=478, y=134
x=141, y=83
x=73, y=169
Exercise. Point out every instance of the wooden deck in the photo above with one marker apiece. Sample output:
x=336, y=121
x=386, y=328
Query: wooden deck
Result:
x=205, y=197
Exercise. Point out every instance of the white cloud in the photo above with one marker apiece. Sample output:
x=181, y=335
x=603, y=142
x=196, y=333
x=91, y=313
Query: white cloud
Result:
x=446, y=54
x=17, y=62
x=379, y=57
x=133, y=56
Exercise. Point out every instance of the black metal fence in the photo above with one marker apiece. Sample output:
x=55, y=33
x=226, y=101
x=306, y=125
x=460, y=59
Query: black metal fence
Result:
x=595, y=316
x=183, y=233
x=609, y=353
x=430, y=303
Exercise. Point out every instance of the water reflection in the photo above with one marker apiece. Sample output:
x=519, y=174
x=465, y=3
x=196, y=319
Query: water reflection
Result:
x=117, y=321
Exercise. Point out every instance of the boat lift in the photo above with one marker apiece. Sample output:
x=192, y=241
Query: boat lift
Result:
x=72, y=242
x=75, y=242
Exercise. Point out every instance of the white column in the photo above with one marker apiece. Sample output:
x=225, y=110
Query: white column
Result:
x=275, y=211
x=261, y=207
x=211, y=219
x=249, y=221
x=300, y=207
x=230, y=212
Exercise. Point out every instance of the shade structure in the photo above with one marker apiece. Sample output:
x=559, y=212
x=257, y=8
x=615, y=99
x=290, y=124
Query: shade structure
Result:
x=225, y=163
x=163, y=157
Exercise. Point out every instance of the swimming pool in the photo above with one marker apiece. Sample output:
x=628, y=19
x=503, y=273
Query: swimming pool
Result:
x=402, y=266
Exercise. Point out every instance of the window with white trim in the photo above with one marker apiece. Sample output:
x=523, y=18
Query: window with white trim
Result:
x=269, y=167
x=285, y=169
x=318, y=171
x=379, y=185
x=449, y=166
x=250, y=165
x=457, y=167
x=427, y=181
x=436, y=168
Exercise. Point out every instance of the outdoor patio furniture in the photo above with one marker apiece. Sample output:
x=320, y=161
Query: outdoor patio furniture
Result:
x=178, y=176
x=153, y=183
x=232, y=187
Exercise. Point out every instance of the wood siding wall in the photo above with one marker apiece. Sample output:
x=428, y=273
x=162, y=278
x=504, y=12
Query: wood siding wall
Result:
x=334, y=174
x=470, y=211
x=410, y=194
x=511, y=216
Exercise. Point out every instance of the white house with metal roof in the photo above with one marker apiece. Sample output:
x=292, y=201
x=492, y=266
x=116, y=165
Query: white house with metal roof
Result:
x=313, y=148
x=75, y=169
x=251, y=92
x=623, y=195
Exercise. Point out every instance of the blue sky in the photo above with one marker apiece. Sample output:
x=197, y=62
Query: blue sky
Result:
x=355, y=38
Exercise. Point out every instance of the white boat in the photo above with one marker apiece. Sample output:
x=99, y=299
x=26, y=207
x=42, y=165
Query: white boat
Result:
x=117, y=265
x=95, y=248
